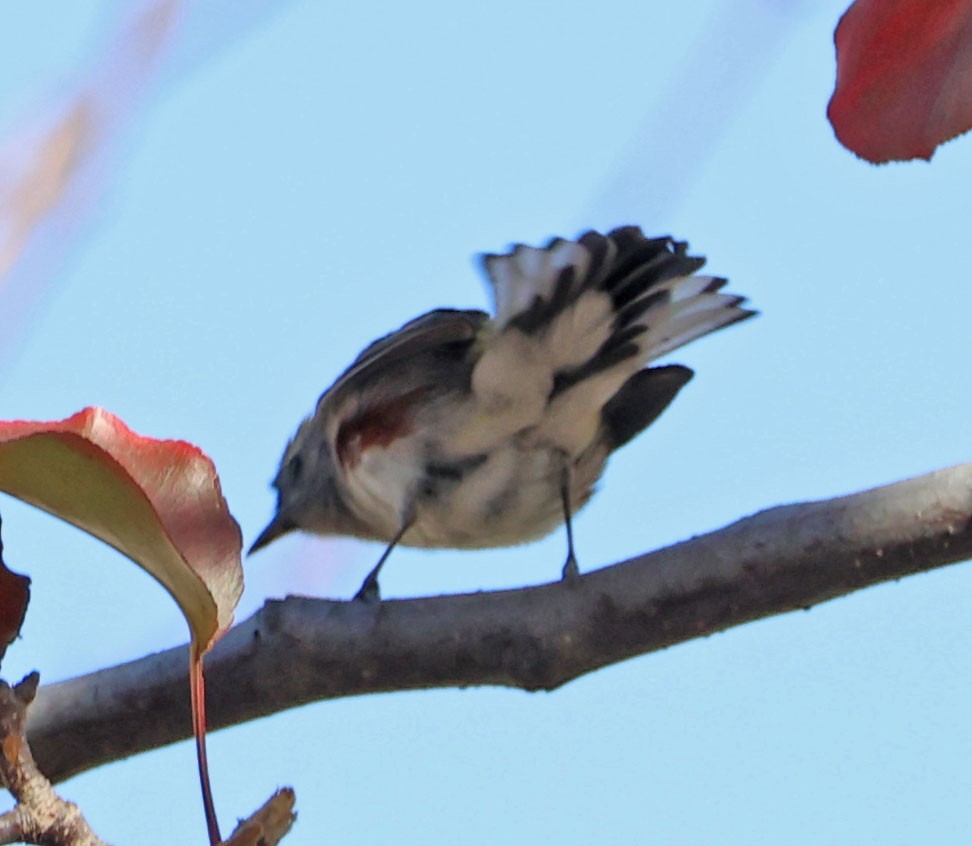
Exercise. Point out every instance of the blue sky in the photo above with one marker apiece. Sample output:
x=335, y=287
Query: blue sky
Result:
x=326, y=175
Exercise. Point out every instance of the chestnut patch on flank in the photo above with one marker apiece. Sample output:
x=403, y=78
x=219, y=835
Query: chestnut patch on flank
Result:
x=377, y=425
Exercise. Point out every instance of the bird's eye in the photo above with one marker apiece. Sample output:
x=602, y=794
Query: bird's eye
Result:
x=294, y=466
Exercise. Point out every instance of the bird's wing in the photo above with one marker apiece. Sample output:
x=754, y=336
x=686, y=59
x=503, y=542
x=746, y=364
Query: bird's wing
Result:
x=432, y=331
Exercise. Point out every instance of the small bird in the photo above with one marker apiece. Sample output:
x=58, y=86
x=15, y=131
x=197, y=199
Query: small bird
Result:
x=463, y=430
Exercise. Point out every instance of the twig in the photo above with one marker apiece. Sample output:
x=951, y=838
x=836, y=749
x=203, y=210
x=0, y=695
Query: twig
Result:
x=268, y=824
x=41, y=816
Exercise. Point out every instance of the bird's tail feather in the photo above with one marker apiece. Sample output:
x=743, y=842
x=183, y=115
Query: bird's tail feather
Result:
x=575, y=320
x=604, y=299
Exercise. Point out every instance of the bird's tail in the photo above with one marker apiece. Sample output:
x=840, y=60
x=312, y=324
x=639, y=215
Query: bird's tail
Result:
x=592, y=312
x=604, y=298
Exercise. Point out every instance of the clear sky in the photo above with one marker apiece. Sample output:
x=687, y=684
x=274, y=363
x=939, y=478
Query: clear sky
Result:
x=326, y=175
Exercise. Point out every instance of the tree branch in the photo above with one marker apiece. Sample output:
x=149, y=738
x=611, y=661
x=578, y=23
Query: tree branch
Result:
x=300, y=650
x=40, y=816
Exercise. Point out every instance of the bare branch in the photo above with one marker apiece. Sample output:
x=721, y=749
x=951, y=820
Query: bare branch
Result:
x=41, y=816
x=268, y=825
x=300, y=650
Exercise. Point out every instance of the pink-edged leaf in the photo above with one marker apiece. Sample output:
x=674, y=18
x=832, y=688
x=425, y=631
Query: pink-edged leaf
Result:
x=158, y=502
x=14, y=596
x=904, y=77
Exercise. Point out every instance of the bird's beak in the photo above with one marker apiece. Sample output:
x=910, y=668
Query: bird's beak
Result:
x=278, y=526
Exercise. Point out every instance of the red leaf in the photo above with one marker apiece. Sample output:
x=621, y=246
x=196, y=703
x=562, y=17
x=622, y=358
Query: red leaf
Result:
x=904, y=77
x=158, y=502
x=14, y=595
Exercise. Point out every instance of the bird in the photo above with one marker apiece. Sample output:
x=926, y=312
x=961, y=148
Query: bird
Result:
x=468, y=430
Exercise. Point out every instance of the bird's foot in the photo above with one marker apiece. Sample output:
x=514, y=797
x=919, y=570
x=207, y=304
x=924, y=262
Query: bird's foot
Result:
x=369, y=592
x=571, y=573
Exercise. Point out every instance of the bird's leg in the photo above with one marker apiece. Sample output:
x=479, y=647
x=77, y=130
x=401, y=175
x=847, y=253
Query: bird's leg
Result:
x=570, y=573
x=369, y=591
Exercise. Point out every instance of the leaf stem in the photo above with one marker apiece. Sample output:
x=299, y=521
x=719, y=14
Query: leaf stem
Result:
x=197, y=694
